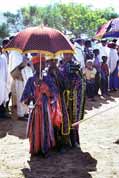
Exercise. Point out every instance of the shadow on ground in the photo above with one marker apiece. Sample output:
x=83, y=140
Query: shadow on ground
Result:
x=13, y=127
x=99, y=100
x=72, y=164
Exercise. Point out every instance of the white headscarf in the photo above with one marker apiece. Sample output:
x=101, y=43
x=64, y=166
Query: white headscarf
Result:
x=15, y=59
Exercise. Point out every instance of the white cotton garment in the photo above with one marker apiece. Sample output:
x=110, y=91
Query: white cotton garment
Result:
x=113, y=58
x=26, y=73
x=21, y=108
x=104, y=51
x=79, y=55
x=15, y=59
x=3, y=80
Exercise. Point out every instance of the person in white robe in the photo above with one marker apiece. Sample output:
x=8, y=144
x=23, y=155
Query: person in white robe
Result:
x=4, y=92
x=104, y=50
x=27, y=71
x=79, y=53
x=16, y=65
x=113, y=58
x=5, y=54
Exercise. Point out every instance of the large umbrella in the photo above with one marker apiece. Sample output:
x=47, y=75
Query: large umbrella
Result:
x=113, y=29
x=102, y=30
x=43, y=40
x=110, y=29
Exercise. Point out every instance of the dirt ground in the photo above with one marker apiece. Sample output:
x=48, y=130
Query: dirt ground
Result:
x=99, y=157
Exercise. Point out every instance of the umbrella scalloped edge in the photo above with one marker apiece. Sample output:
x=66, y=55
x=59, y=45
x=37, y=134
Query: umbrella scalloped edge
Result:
x=40, y=51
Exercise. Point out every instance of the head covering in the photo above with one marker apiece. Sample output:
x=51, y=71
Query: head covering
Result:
x=15, y=59
x=36, y=59
x=89, y=61
x=103, y=40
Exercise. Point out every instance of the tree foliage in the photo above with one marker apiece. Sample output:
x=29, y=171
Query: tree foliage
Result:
x=14, y=21
x=4, y=32
x=76, y=18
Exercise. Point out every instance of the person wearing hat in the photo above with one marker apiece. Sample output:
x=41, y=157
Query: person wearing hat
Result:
x=41, y=92
x=16, y=65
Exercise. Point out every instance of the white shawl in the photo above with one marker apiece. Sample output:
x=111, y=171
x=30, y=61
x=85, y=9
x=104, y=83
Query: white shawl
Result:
x=3, y=80
x=113, y=58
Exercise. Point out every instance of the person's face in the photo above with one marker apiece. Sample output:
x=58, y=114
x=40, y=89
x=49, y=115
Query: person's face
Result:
x=68, y=57
x=115, y=47
x=37, y=66
x=89, y=65
x=53, y=62
x=104, y=43
x=105, y=60
x=97, y=52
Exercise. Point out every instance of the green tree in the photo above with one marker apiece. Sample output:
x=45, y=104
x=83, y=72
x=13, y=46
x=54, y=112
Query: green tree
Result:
x=4, y=32
x=31, y=15
x=108, y=13
x=14, y=21
x=52, y=17
x=76, y=18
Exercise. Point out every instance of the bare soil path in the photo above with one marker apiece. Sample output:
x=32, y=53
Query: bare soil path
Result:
x=99, y=157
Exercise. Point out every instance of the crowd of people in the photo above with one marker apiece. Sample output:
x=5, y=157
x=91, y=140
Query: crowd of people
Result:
x=100, y=65
x=50, y=93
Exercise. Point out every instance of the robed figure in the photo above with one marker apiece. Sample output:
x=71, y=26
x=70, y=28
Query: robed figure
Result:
x=46, y=112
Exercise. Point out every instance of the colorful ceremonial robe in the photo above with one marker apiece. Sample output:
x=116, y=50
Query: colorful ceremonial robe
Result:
x=74, y=92
x=45, y=115
x=58, y=79
x=74, y=98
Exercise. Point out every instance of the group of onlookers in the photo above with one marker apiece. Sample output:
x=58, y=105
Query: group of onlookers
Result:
x=100, y=64
x=54, y=89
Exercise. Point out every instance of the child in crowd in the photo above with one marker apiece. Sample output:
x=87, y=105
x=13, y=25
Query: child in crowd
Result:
x=104, y=76
x=90, y=73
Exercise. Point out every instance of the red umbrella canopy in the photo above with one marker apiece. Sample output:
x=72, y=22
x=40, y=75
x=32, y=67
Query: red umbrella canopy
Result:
x=42, y=40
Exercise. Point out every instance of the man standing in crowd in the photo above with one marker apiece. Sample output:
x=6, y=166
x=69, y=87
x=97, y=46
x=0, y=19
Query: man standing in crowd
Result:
x=79, y=52
x=74, y=96
x=16, y=65
x=104, y=50
x=4, y=94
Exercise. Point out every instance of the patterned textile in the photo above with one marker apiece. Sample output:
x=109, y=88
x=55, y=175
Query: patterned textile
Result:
x=41, y=135
x=58, y=79
x=75, y=92
x=45, y=115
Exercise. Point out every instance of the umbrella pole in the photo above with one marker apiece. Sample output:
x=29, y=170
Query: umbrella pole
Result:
x=40, y=74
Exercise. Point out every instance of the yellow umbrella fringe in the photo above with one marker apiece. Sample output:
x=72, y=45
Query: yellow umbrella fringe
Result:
x=53, y=55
